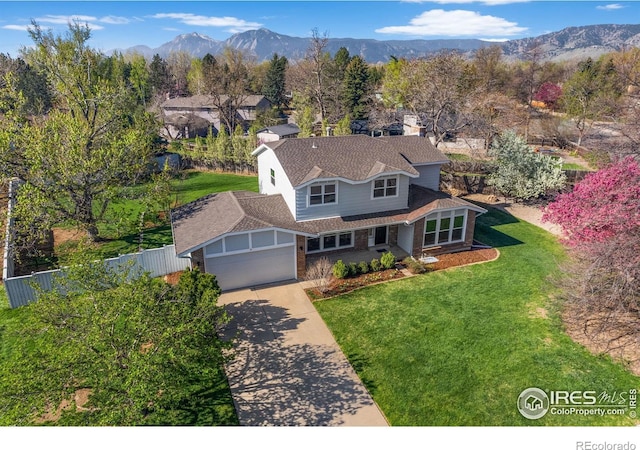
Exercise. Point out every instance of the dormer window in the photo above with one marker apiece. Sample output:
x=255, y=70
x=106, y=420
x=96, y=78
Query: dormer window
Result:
x=385, y=187
x=322, y=194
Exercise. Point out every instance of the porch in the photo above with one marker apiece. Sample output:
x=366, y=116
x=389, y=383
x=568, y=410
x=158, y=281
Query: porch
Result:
x=355, y=256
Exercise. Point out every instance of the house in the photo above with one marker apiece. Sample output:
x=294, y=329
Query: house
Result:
x=319, y=196
x=187, y=117
x=277, y=132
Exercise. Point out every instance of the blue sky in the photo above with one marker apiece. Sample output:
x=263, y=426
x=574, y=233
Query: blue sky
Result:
x=122, y=24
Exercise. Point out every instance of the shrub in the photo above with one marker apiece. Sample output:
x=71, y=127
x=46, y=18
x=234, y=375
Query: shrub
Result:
x=340, y=270
x=388, y=260
x=363, y=267
x=319, y=273
x=353, y=269
x=375, y=265
x=413, y=266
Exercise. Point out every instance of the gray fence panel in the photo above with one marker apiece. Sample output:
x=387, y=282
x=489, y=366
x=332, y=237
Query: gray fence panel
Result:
x=157, y=261
x=20, y=290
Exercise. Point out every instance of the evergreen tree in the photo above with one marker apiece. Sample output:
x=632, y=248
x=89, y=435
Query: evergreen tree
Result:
x=356, y=88
x=274, y=85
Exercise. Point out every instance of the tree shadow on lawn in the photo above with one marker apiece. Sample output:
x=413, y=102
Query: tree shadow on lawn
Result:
x=277, y=381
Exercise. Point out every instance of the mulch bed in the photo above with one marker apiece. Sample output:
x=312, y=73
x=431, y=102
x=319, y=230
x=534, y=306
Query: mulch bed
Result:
x=337, y=287
x=464, y=258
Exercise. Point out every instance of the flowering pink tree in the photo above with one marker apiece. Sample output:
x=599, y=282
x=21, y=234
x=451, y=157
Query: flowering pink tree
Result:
x=601, y=282
x=604, y=205
x=548, y=93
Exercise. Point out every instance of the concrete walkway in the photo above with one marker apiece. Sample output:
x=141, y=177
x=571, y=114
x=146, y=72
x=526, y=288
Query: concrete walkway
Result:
x=288, y=368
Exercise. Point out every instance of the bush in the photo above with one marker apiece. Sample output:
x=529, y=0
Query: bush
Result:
x=388, y=260
x=375, y=265
x=353, y=269
x=340, y=270
x=413, y=266
x=363, y=267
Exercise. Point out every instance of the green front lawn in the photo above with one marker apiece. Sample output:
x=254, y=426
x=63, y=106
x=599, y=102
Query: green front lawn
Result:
x=457, y=347
x=119, y=231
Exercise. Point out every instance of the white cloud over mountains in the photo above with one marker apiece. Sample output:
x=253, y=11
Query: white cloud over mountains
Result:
x=233, y=24
x=438, y=22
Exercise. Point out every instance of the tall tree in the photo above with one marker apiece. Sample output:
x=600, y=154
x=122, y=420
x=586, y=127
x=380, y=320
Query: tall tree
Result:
x=74, y=160
x=319, y=62
x=274, y=88
x=438, y=91
x=195, y=78
x=159, y=77
x=31, y=83
x=356, y=89
x=228, y=85
x=591, y=93
x=179, y=64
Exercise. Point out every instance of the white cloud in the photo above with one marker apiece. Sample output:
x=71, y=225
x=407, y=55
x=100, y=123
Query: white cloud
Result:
x=610, y=7
x=232, y=23
x=16, y=27
x=63, y=20
x=460, y=2
x=438, y=22
x=114, y=20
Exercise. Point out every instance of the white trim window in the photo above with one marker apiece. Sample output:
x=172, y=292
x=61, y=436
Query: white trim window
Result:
x=328, y=242
x=322, y=194
x=272, y=176
x=385, y=187
x=445, y=227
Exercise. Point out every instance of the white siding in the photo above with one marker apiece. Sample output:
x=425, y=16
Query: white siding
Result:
x=429, y=176
x=405, y=237
x=352, y=199
x=266, y=161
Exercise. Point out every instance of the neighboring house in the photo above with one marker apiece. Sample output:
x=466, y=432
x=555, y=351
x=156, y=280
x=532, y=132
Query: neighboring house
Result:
x=187, y=117
x=319, y=196
x=277, y=132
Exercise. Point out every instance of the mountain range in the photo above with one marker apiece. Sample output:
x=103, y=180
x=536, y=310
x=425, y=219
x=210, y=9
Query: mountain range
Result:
x=569, y=43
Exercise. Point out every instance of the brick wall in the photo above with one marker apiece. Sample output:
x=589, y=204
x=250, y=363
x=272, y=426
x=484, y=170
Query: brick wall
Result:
x=301, y=257
x=197, y=259
x=361, y=239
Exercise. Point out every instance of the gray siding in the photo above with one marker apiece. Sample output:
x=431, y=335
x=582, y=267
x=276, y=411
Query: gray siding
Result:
x=429, y=176
x=352, y=199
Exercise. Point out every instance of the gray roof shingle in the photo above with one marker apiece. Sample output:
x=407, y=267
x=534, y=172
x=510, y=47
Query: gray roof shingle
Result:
x=208, y=218
x=354, y=157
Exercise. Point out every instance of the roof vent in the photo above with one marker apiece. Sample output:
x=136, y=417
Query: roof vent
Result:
x=314, y=145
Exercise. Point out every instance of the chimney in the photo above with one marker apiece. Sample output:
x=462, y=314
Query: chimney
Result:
x=329, y=131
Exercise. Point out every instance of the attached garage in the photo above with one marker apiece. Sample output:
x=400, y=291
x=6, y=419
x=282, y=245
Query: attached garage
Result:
x=248, y=259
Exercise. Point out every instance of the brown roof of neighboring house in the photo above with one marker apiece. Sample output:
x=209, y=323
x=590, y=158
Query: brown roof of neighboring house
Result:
x=198, y=223
x=208, y=101
x=354, y=157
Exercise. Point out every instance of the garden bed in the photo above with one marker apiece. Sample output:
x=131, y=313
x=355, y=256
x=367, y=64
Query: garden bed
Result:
x=447, y=261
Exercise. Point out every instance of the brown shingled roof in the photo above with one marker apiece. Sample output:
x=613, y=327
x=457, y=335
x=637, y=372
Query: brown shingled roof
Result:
x=207, y=101
x=355, y=157
x=208, y=218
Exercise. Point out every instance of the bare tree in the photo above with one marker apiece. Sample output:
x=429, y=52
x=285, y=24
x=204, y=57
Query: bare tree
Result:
x=320, y=61
x=319, y=274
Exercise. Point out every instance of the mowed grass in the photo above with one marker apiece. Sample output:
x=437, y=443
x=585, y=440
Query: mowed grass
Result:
x=120, y=233
x=457, y=347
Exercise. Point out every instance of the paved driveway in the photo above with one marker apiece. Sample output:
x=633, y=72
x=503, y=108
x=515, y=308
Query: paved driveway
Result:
x=289, y=369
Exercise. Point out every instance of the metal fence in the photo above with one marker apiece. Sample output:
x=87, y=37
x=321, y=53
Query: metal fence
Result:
x=157, y=262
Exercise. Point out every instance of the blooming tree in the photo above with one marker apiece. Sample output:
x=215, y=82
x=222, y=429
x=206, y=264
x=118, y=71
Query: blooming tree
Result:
x=605, y=204
x=601, y=283
x=549, y=93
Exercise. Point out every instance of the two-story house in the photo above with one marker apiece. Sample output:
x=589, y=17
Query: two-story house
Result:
x=324, y=195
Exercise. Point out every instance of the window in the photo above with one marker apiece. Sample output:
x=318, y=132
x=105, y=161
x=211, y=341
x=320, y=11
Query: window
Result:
x=273, y=176
x=321, y=194
x=385, y=187
x=330, y=242
x=236, y=242
x=444, y=227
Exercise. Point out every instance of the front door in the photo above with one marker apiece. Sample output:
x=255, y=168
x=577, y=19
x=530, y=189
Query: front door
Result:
x=380, y=236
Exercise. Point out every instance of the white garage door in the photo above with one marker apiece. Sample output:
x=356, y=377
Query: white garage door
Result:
x=253, y=268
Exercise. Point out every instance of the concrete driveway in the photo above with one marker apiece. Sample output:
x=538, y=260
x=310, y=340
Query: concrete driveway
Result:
x=288, y=368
